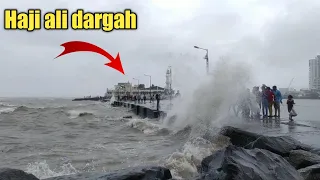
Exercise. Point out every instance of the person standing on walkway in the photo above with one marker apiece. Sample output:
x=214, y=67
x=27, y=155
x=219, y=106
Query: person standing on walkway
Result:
x=152, y=98
x=144, y=98
x=258, y=95
x=290, y=103
x=264, y=98
x=135, y=99
x=138, y=100
x=277, y=101
x=158, y=101
x=270, y=100
x=245, y=104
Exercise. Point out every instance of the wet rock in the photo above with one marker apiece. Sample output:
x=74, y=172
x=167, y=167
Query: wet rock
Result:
x=315, y=151
x=127, y=117
x=15, y=174
x=301, y=159
x=239, y=137
x=281, y=145
x=137, y=173
x=311, y=172
x=246, y=164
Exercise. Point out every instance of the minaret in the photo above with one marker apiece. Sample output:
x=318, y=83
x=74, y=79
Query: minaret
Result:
x=169, y=80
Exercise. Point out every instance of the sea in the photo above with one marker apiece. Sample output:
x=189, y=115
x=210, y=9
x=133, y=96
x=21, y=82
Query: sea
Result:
x=52, y=137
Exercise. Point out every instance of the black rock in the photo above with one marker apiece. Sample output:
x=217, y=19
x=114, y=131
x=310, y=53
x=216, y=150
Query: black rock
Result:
x=311, y=172
x=15, y=174
x=301, y=159
x=281, y=145
x=137, y=173
x=315, y=151
x=239, y=137
x=236, y=163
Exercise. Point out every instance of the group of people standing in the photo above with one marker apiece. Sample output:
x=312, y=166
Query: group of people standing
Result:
x=268, y=99
x=142, y=99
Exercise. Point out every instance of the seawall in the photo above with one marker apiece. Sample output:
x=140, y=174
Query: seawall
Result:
x=140, y=110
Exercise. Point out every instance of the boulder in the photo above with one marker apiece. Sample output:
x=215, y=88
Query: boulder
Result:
x=15, y=174
x=311, y=172
x=316, y=151
x=281, y=145
x=246, y=164
x=239, y=137
x=137, y=173
x=301, y=159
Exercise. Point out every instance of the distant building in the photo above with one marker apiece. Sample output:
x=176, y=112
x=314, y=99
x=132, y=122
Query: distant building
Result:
x=314, y=73
x=124, y=89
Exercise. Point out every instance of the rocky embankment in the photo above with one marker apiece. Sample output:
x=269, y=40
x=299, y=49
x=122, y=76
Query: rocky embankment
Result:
x=250, y=157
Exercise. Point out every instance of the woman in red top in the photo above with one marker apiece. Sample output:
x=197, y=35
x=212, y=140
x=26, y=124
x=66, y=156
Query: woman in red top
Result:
x=270, y=100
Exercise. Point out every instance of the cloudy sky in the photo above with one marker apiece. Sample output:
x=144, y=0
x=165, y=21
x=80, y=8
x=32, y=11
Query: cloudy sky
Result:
x=276, y=38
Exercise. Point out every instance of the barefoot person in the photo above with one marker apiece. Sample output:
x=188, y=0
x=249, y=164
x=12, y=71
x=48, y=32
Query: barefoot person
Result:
x=277, y=101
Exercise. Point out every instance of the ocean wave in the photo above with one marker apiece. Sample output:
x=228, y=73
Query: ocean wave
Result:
x=79, y=113
x=7, y=110
x=147, y=127
x=2, y=104
x=26, y=108
x=42, y=170
x=22, y=108
x=184, y=163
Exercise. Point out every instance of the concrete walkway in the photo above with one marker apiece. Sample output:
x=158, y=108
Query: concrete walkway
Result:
x=164, y=105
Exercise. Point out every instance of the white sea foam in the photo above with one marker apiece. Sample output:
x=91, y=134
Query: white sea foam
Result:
x=7, y=110
x=42, y=170
x=146, y=126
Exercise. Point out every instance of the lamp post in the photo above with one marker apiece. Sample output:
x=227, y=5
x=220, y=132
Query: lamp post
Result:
x=150, y=85
x=206, y=57
x=138, y=85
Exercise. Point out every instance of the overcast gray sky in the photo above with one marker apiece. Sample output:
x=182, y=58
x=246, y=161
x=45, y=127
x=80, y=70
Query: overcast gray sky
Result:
x=277, y=38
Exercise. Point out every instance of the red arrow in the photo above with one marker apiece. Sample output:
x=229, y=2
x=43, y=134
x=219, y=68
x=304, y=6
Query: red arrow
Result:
x=78, y=46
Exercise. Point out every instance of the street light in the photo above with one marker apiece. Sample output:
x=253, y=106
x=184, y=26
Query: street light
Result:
x=138, y=84
x=150, y=84
x=206, y=57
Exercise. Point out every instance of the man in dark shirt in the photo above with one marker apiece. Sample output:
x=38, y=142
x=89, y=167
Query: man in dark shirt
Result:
x=158, y=101
x=144, y=98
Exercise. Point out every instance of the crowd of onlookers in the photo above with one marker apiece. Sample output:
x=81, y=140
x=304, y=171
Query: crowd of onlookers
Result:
x=268, y=101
